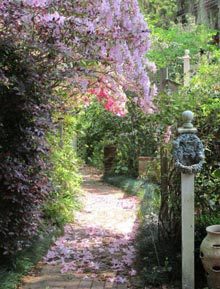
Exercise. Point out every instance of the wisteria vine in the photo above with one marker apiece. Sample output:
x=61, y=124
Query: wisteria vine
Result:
x=93, y=47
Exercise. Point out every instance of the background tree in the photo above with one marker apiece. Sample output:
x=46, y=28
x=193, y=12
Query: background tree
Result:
x=159, y=13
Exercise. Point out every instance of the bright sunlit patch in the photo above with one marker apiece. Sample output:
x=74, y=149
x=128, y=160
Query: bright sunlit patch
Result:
x=102, y=240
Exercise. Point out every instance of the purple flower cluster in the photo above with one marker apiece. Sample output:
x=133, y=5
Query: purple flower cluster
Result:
x=103, y=42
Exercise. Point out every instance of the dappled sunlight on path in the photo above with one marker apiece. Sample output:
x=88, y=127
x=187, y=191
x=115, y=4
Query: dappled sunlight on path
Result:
x=99, y=245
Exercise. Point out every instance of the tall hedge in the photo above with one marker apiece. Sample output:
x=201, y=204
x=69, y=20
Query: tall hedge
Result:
x=23, y=120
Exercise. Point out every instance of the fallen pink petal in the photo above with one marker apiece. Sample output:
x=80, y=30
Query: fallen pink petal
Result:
x=102, y=240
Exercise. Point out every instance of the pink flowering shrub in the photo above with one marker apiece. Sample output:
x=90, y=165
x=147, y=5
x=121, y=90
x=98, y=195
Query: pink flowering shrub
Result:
x=98, y=47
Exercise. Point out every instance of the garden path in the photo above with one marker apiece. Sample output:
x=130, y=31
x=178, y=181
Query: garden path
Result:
x=96, y=251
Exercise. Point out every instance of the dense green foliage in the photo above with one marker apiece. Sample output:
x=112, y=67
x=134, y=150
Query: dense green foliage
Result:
x=159, y=13
x=63, y=198
x=169, y=45
x=133, y=136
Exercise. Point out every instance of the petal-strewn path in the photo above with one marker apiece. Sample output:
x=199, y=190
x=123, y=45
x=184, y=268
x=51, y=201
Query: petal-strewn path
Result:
x=97, y=250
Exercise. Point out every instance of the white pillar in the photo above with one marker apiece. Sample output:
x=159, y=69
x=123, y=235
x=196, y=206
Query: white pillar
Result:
x=187, y=191
x=185, y=162
x=186, y=67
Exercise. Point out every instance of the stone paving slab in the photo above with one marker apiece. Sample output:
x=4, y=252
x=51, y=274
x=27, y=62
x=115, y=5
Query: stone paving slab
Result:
x=49, y=277
x=72, y=284
x=53, y=282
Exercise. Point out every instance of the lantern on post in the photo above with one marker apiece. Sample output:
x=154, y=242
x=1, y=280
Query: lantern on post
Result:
x=189, y=158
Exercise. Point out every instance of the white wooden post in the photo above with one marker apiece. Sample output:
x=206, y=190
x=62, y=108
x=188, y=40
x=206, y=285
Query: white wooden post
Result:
x=187, y=191
x=186, y=67
x=189, y=157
